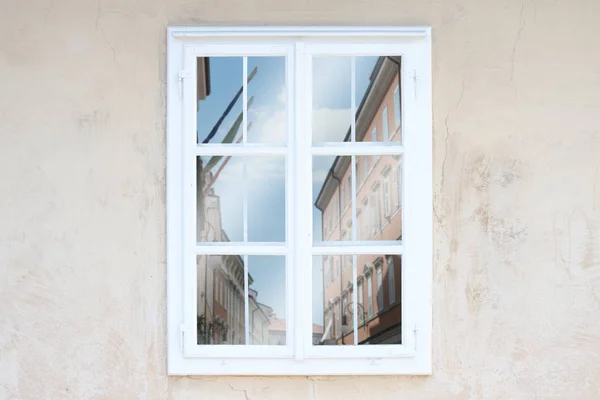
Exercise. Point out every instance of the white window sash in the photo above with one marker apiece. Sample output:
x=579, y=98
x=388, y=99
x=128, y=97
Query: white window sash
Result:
x=296, y=357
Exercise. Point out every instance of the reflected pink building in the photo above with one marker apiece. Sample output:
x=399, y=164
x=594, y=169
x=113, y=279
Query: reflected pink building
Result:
x=378, y=217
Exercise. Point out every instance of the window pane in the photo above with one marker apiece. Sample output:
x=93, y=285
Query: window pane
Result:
x=376, y=82
x=332, y=181
x=267, y=117
x=220, y=99
x=220, y=321
x=267, y=300
x=331, y=100
x=225, y=183
x=379, y=214
x=332, y=301
x=220, y=300
x=380, y=288
x=378, y=294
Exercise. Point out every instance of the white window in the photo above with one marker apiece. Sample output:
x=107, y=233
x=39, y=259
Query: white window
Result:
x=368, y=234
x=397, y=109
x=387, y=201
x=365, y=168
x=370, y=294
x=391, y=280
x=359, y=227
x=375, y=210
x=379, y=270
x=360, y=295
x=258, y=197
x=349, y=186
x=343, y=196
x=374, y=159
x=384, y=124
x=356, y=168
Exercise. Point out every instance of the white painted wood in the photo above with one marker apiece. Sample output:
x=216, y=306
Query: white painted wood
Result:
x=357, y=149
x=299, y=31
x=241, y=248
x=248, y=149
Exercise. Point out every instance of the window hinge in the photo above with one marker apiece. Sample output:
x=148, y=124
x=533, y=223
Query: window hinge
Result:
x=182, y=75
x=415, y=80
x=182, y=331
x=415, y=332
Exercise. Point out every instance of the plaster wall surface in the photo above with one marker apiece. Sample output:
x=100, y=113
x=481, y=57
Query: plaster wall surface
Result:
x=516, y=89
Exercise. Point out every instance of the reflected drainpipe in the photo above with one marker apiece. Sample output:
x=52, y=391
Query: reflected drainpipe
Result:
x=339, y=216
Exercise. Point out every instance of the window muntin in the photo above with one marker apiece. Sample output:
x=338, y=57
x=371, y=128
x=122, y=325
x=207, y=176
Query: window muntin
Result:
x=271, y=248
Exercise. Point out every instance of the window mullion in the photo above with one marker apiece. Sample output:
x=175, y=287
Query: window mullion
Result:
x=302, y=218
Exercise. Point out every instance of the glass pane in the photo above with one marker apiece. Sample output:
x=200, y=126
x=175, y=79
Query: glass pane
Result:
x=220, y=300
x=332, y=198
x=379, y=294
x=331, y=101
x=377, y=99
x=332, y=300
x=267, y=117
x=223, y=185
x=379, y=196
x=220, y=99
x=378, y=298
x=267, y=300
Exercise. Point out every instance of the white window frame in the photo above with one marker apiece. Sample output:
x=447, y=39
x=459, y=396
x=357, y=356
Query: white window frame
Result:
x=299, y=356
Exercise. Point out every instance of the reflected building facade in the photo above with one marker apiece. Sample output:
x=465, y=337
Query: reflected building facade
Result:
x=221, y=317
x=378, y=217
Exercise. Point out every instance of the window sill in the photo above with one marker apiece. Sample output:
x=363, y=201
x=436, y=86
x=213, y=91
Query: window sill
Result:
x=397, y=365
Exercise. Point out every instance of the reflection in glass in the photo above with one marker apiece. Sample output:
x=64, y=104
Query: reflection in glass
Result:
x=378, y=294
x=377, y=99
x=219, y=99
x=267, y=300
x=331, y=102
x=332, y=198
x=220, y=299
x=267, y=117
x=221, y=317
x=222, y=184
x=379, y=195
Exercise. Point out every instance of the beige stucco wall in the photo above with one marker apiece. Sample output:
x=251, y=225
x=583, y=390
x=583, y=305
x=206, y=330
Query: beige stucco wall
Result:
x=517, y=195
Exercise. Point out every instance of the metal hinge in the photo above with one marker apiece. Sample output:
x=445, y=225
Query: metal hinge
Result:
x=182, y=331
x=182, y=75
x=416, y=332
x=413, y=75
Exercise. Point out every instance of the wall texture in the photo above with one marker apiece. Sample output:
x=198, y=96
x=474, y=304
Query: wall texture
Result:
x=516, y=183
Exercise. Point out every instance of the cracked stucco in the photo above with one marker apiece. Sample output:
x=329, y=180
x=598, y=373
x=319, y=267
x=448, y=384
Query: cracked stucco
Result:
x=516, y=93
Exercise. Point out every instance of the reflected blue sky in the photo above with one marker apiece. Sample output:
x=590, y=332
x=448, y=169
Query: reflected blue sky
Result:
x=267, y=116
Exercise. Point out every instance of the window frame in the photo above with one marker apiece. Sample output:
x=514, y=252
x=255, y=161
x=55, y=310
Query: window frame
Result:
x=413, y=357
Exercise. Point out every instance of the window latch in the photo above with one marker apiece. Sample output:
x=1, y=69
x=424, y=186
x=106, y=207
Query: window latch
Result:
x=182, y=331
x=415, y=332
x=182, y=75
